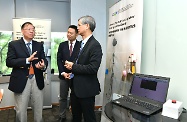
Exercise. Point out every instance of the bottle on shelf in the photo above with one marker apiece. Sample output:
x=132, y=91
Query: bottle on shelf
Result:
x=124, y=73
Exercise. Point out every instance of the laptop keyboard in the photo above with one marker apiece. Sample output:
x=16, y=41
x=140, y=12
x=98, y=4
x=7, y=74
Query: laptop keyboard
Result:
x=140, y=103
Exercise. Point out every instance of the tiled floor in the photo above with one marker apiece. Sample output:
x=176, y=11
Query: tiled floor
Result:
x=49, y=115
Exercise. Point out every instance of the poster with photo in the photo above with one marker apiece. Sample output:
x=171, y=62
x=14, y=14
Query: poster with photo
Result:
x=56, y=39
x=123, y=47
x=5, y=38
x=123, y=56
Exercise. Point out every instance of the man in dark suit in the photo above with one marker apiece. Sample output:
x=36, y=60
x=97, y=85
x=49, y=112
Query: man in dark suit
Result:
x=28, y=61
x=85, y=85
x=67, y=50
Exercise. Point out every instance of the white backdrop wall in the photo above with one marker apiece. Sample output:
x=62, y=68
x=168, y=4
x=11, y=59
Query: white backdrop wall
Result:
x=97, y=9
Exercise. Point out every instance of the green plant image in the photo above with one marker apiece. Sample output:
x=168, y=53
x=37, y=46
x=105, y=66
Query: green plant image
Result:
x=56, y=39
x=5, y=38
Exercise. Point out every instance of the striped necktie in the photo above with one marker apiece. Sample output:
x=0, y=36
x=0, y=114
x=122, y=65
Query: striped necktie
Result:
x=82, y=45
x=31, y=69
x=28, y=48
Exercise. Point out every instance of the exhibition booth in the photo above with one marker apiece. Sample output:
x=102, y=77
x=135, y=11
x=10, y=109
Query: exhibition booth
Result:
x=135, y=39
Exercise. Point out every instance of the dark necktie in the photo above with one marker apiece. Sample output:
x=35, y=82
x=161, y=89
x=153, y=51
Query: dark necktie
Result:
x=71, y=48
x=82, y=45
x=31, y=70
x=28, y=47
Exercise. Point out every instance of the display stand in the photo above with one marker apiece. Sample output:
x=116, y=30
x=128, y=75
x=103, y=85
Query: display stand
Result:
x=116, y=113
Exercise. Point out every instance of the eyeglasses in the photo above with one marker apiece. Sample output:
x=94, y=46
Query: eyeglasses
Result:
x=29, y=29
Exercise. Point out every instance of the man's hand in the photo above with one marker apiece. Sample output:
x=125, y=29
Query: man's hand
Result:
x=66, y=75
x=68, y=65
x=40, y=64
x=31, y=58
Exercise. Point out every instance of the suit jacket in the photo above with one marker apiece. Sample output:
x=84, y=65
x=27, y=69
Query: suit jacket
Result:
x=85, y=81
x=63, y=54
x=16, y=59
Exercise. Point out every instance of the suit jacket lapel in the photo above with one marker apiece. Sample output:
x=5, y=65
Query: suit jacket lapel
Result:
x=86, y=45
x=75, y=48
x=23, y=46
x=66, y=45
x=33, y=46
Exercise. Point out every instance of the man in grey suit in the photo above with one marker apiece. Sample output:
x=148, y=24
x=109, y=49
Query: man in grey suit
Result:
x=85, y=84
x=28, y=61
x=67, y=50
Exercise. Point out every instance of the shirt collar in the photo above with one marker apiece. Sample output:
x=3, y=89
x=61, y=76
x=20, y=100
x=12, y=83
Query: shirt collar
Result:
x=86, y=39
x=73, y=42
x=26, y=41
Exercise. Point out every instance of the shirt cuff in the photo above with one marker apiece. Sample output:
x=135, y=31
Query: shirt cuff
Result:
x=62, y=73
x=27, y=62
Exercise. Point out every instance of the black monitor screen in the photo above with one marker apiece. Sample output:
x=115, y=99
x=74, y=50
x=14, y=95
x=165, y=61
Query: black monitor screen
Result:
x=146, y=84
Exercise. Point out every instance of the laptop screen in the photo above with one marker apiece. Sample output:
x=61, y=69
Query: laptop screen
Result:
x=149, y=86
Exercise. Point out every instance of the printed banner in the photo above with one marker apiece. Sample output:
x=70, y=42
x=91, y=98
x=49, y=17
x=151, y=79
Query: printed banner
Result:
x=42, y=27
x=123, y=47
x=42, y=31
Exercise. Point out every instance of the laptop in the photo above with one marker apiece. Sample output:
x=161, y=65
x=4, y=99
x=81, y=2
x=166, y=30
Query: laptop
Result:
x=147, y=94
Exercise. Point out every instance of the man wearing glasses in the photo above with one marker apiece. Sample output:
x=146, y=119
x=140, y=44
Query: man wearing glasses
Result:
x=85, y=84
x=28, y=61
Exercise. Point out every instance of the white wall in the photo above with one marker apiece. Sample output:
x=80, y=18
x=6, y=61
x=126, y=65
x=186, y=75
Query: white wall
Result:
x=6, y=13
x=97, y=9
x=164, y=53
x=57, y=11
x=149, y=37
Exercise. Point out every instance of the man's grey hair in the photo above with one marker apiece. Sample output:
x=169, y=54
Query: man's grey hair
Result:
x=88, y=20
